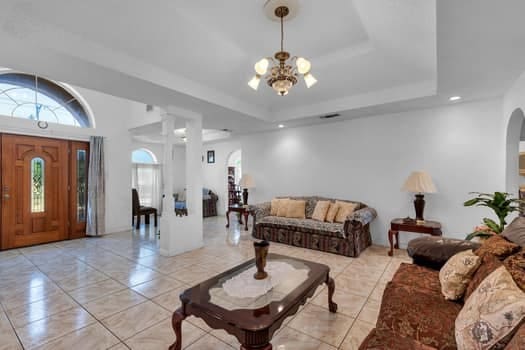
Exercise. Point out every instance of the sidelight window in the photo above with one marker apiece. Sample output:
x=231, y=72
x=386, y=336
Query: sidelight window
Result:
x=81, y=185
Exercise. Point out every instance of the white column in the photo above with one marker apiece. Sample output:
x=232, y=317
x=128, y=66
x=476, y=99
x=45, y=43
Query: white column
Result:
x=182, y=234
x=168, y=218
x=194, y=229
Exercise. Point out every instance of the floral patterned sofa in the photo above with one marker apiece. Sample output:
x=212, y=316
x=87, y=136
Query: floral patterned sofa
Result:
x=349, y=238
x=415, y=315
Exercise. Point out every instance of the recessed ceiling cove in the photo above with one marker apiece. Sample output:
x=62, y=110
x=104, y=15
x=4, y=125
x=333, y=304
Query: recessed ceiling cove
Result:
x=364, y=52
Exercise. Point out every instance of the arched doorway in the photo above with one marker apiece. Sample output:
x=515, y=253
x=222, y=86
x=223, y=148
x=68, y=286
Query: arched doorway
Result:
x=514, y=131
x=234, y=171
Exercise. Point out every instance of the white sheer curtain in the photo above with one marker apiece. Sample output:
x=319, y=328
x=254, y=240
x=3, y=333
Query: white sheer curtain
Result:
x=147, y=179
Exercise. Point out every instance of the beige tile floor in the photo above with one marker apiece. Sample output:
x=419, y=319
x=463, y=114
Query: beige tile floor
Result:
x=117, y=292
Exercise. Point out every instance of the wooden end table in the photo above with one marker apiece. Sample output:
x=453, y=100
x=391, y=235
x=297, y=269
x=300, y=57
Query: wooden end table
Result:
x=253, y=321
x=243, y=212
x=427, y=227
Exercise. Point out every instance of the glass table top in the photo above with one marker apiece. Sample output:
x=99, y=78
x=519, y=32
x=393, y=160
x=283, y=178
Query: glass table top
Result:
x=292, y=273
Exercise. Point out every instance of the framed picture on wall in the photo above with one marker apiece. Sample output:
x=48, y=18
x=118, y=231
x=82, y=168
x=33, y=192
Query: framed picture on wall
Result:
x=211, y=157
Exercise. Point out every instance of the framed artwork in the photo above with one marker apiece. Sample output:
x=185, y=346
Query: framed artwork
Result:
x=211, y=157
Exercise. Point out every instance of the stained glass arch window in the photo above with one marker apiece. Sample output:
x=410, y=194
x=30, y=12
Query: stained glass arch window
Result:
x=36, y=98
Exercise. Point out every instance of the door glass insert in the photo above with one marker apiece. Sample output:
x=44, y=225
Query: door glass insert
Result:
x=37, y=185
x=81, y=185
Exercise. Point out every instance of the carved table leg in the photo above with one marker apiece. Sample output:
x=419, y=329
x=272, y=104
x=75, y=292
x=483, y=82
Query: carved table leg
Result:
x=397, y=240
x=176, y=322
x=331, y=289
x=391, y=240
x=245, y=214
x=227, y=219
x=265, y=347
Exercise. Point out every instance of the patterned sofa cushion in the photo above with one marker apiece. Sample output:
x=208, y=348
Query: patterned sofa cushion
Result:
x=413, y=313
x=489, y=263
x=311, y=202
x=388, y=340
x=304, y=225
x=418, y=276
x=515, y=264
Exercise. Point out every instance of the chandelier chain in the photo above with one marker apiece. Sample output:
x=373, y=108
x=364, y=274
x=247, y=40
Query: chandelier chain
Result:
x=282, y=33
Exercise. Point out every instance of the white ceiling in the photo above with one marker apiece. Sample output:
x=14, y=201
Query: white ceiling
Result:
x=199, y=54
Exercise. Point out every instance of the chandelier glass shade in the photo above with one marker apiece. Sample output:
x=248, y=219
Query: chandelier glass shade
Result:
x=283, y=73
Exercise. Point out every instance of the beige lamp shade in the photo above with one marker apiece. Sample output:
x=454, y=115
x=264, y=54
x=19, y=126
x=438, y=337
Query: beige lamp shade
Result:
x=419, y=182
x=247, y=181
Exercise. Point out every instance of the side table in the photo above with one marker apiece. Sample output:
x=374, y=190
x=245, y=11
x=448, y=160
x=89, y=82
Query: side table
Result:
x=242, y=210
x=428, y=227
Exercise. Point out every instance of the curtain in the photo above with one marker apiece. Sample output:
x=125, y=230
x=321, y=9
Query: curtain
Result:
x=96, y=206
x=147, y=180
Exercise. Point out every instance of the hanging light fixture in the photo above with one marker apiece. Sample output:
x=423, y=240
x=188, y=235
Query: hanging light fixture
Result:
x=283, y=74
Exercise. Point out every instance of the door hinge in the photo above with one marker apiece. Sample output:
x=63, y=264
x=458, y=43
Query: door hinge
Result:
x=69, y=151
x=68, y=224
x=69, y=188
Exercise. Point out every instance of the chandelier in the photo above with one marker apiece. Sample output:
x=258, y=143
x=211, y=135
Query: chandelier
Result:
x=282, y=75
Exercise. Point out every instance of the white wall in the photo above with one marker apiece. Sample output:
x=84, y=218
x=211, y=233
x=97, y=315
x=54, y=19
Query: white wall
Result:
x=215, y=175
x=368, y=160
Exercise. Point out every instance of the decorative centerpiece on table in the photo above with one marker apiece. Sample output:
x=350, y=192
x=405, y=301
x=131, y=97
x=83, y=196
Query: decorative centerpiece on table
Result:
x=501, y=203
x=261, y=252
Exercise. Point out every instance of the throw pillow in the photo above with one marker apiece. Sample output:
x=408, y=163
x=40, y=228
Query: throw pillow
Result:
x=332, y=212
x=455, y=275
x=345, y=209
x=515, y=232
x=275, y=204
x=320, y=211
x=283, y=208
x=515, y=264
x=296, y=209
x=497, y=246
x=491, y=314
x=489, y=263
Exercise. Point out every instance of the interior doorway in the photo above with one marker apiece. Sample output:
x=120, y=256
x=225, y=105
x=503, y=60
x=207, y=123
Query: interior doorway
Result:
x=234, y=165
x=44, y=190
x=515, y=154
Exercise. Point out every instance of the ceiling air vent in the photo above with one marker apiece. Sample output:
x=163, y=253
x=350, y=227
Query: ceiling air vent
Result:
x=330, y=116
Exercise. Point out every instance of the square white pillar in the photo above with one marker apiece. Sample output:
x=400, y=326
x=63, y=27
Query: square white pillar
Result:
x=182, y=234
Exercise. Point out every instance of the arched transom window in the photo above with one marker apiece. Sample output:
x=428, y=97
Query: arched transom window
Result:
x=31, y=97
x=143, y=156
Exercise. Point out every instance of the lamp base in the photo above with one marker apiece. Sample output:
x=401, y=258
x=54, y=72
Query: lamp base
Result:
x=419, y=206
x=245, y=196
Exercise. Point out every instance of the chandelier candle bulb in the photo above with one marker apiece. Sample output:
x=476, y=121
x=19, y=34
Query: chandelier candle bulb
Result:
x=261, y=67
x=310, y=80
x=303, y=65
x=254, y=83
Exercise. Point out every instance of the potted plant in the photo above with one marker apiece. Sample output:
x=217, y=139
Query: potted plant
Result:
x=501, y=203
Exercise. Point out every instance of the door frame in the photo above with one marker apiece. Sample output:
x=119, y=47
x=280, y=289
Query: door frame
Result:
x=73, y=228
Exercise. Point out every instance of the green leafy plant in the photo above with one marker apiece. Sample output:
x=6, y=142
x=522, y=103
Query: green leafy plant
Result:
x=501, y=203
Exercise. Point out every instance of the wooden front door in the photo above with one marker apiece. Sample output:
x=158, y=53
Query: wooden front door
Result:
x=35, y=184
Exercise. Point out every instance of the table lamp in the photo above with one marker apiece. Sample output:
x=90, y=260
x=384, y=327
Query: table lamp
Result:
x=246, y=183
x=419, y=182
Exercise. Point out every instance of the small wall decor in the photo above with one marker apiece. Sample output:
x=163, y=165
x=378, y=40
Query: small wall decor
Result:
x=42, y=124
x=211, y=157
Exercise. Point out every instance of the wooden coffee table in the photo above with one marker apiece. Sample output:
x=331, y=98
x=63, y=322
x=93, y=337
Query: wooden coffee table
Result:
x=252, y=321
